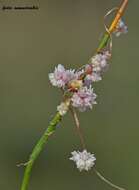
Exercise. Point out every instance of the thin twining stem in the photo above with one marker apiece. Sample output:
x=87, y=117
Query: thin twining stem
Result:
x=107, y=29
x=118, y=16
x=107, y=181
x=77, y=124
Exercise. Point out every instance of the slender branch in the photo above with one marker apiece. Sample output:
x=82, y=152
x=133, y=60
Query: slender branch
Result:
x=38, y=148
x=77, y=124
x=107, y=181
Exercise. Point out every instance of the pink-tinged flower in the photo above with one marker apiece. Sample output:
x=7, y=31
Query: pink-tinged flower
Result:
x=100, y=62
x=84, y=160
x=83, y=99
x=121, y=28
x=94, y=77
x=60, y=77
x=91, y=76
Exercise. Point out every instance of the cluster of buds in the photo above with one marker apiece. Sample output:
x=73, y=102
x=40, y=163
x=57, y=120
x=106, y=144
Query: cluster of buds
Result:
x=79, y=84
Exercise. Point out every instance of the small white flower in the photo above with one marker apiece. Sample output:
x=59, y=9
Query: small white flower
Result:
x=60, y=77
x=94, y=77
x=84, y=98
x=100, y=62
x=63, y=107
x=84, y=160
x=121, y=28
x=91, y=75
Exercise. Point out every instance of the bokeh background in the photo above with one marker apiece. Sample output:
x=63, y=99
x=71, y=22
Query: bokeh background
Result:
x=32, y=43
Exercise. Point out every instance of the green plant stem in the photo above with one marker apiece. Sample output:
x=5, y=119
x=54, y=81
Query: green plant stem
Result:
x=38, y=148
x=104, y=41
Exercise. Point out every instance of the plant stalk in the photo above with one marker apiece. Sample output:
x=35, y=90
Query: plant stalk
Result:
x=38, y=148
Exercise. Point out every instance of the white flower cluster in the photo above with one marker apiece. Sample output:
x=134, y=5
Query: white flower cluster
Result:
x=80, y=82
x=84, y=160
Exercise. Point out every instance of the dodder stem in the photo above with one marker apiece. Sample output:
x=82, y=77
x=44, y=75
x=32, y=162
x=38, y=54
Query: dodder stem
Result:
x=118, y=16
x=107, y=181
x=77, y=124
x=38, y=148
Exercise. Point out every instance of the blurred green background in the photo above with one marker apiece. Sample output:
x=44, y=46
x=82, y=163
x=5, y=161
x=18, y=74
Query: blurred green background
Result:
x=32, y=43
